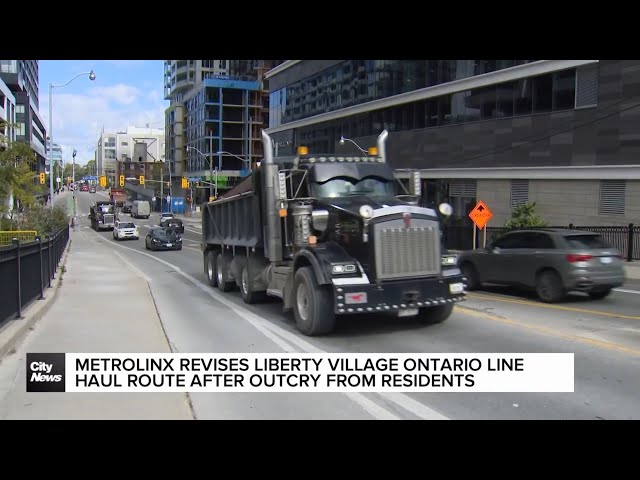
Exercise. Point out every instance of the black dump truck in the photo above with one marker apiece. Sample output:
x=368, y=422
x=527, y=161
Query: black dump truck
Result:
x=331, y=236
x=103, y=216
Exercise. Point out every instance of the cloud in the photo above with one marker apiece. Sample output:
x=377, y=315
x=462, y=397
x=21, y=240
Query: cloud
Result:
x=121, y=93
x=78, y=119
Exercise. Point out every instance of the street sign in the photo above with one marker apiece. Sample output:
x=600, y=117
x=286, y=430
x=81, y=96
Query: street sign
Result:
x=480, y=214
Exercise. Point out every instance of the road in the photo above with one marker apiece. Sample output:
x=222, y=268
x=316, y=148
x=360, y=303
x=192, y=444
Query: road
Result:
x=604, y=335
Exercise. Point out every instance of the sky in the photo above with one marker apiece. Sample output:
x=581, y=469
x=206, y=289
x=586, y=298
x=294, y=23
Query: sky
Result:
x=124, y=93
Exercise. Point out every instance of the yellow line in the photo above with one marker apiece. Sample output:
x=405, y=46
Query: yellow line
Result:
x=549, y=331
x=546, y=305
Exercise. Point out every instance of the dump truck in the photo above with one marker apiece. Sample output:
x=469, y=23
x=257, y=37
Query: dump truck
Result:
x=331, y=236
x=102, y=216
x=118, y=197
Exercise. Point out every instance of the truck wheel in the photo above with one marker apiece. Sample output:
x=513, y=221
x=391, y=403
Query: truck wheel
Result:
x=210, y=269
x=433, y=315
x=221, y=276
x=312, y=304
x=249, y=295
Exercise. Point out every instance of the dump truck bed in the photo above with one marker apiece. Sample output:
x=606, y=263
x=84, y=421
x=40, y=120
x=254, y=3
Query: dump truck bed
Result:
x=235, y=219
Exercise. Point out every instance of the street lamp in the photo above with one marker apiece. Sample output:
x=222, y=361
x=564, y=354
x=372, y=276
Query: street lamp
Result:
x=73, y=181
x=343, y=139
x=211, y=170
x=92, y=76
x=248, y=162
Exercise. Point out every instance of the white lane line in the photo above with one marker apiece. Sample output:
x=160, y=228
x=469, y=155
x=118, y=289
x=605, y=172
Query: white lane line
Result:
x=624, y=290
x=280, y=336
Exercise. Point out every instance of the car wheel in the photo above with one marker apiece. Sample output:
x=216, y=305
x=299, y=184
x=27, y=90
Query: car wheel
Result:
x=549, y=287
x=470, y=271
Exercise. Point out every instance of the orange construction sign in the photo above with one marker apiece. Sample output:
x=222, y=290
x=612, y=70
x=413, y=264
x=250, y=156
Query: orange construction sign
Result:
x=480, y=214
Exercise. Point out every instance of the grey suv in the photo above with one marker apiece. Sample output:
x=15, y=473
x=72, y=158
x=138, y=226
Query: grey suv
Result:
x=552, y=261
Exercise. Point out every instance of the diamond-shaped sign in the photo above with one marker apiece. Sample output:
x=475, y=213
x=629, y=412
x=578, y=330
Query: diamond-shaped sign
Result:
x=480, y=214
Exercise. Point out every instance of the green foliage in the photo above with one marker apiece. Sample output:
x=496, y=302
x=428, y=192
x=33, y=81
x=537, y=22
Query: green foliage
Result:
x=16, y=173
x=44, y=219
x=524, y=216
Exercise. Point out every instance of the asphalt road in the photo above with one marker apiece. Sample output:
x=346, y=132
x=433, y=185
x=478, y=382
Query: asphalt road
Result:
x=603, y=334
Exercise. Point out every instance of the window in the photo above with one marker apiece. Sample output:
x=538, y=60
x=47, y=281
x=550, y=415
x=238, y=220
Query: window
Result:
x=612, y=197
x=512, y=240
x=19, y=108
x=20, y=129
x=519, y=192
x=537, y=241
x=586, y=241
x=124, y=144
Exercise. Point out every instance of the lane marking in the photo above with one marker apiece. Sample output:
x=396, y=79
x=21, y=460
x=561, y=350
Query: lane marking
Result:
x=272, y=332
x=624, y=290
x=548, y=331
x=546, y=305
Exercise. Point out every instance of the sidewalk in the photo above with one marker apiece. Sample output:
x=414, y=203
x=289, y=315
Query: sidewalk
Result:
x=101, y=305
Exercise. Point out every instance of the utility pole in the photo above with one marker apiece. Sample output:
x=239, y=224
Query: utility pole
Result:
x=161, y=186
x=211, y=164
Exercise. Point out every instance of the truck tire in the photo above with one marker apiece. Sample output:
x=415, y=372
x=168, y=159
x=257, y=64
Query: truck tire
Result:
x=433, y=315
x=249, y=295
x=312, y=304
x=210, y=268
x=224, y=284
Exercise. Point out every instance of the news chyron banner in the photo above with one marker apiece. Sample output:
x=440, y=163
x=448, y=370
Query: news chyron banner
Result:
x=300, y=372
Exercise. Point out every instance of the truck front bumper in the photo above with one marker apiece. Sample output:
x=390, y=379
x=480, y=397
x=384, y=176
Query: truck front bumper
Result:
x=395, y=296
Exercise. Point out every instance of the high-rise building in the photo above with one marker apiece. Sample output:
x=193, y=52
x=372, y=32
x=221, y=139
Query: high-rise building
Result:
x=7, y=115
x=218, y=107
x=22, y=78
x=562, y=133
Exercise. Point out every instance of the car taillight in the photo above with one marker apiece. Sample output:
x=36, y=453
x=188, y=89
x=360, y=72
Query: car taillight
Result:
x=572, y=258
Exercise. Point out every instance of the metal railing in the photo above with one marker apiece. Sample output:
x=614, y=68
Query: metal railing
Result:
x=625, y=238
x=27, y=269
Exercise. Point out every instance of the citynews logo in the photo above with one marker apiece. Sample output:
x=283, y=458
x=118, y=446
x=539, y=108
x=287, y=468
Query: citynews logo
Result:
x=45, y=372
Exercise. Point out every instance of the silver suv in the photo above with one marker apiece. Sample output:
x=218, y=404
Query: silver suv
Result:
x=552, y=261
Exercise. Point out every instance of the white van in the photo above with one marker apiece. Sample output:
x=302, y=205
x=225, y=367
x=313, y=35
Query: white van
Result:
x=140, y=209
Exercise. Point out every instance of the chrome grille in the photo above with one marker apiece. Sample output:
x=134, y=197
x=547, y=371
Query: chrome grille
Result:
x=108, y=218
x=407, y=252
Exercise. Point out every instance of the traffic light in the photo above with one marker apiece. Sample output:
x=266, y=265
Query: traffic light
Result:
x=122, y=180
x=103, y=181
x=185, y=182
x=42, y=179
x=141, y=179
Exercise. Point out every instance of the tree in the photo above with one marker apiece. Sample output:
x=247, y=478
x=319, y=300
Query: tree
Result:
x=524, y=216
x=17, y=176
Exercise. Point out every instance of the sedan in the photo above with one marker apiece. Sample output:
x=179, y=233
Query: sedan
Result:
x=172, y=222
x=163, y=239
x=550, y=261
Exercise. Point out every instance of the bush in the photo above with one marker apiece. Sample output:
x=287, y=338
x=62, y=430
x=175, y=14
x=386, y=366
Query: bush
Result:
x=44, y=219
x=524, y=216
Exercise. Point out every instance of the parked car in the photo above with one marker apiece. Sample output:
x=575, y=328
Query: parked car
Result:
x=123, y=230
x=172, y=222
x=163, y=239
x=551, y=261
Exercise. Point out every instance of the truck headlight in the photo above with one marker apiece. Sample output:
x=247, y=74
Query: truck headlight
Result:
x=343, y=268
x=449, y=260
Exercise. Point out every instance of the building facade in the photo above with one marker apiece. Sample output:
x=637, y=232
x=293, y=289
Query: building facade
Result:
x=562, y=133
x=218, y=108
x=22, y=78
x=132, y=152
x=7, y=115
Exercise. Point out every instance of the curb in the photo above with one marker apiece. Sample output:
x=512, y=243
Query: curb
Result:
x=16, y=329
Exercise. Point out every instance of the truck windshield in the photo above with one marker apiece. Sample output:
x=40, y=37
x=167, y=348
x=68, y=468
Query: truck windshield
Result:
x=345, y=187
